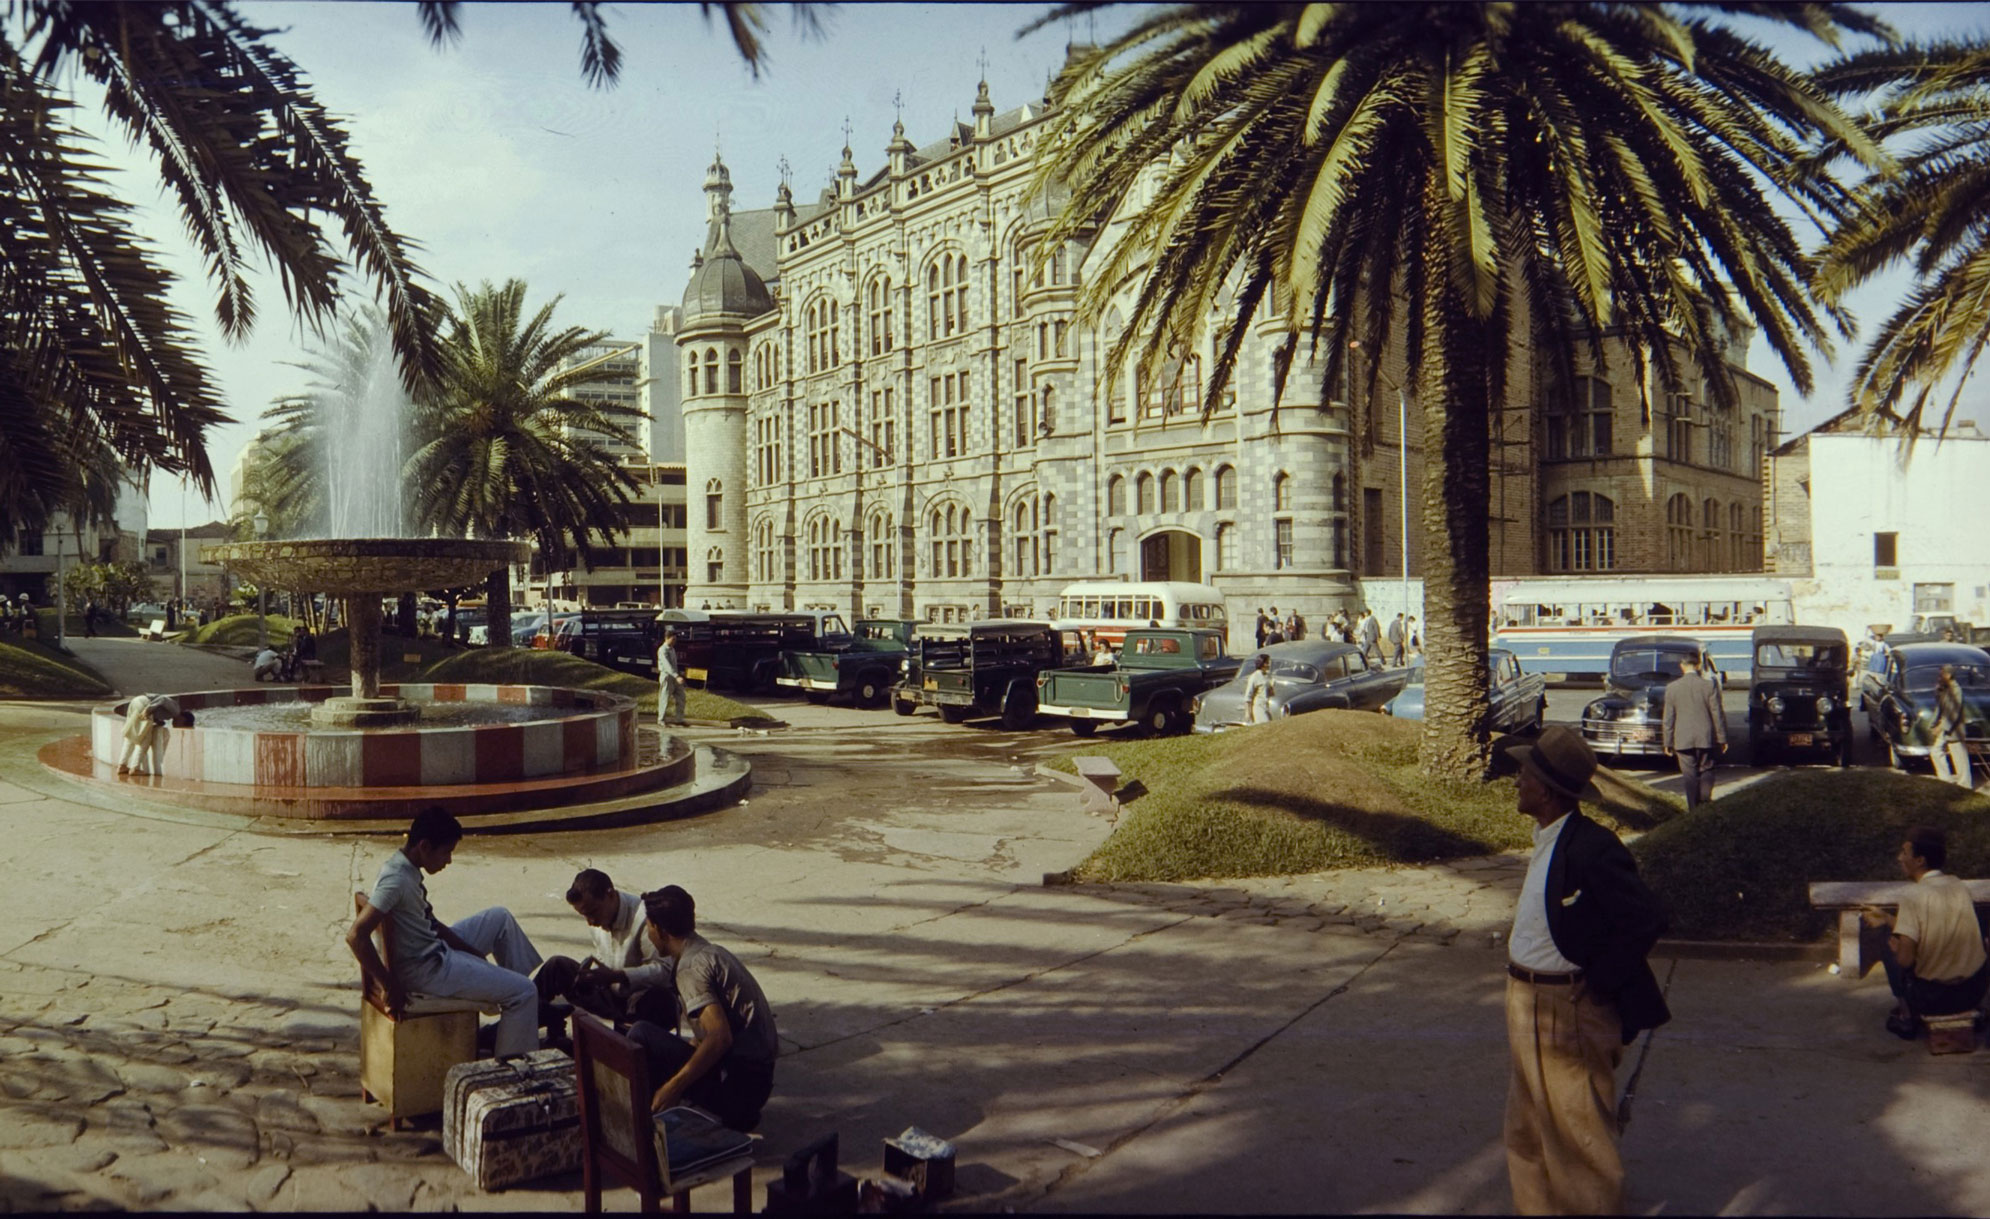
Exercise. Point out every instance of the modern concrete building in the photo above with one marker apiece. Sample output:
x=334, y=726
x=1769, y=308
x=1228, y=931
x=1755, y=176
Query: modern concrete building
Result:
x=1872, y=532
x=29, y=565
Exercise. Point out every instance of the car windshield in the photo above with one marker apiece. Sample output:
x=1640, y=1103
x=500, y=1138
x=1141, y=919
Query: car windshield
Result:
x=1787, y=655
x=1969, y=677
x=1647, y=664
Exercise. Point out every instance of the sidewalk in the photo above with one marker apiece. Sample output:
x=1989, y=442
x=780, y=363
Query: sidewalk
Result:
x=178, y=1012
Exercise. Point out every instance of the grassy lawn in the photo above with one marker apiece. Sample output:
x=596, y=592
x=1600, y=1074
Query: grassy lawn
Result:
x=1739, y=868
x=107, y=626
x=238, y=630
x=536, y=667
x=1332, y=789
x=34, y=670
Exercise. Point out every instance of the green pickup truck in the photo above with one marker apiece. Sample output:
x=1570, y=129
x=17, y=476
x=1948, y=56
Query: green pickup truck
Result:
x=979, y=669
x=1155, y=682
x=863, y=669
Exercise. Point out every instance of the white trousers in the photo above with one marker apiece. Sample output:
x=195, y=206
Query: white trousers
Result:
x=504, y=980
x=144, y=740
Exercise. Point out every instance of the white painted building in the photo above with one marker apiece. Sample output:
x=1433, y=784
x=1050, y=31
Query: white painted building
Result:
x=1871, y=533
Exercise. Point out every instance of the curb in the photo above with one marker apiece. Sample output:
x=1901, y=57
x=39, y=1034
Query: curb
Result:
x=1746, y=950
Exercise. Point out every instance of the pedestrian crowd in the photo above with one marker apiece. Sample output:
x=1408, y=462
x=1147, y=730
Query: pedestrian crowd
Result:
x=1395, y=646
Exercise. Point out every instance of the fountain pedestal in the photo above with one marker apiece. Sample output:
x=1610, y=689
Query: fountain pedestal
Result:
x=364, y=708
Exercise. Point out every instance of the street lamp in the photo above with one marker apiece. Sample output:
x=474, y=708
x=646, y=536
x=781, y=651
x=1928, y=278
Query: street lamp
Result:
x=260, y=523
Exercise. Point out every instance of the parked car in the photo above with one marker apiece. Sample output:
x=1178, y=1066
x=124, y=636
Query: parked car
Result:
x=1799, y=697
x=1905, y=715
x=1518, y=699
x=1154, y=682
x=1630, y=717
x=525, y=629
x=742, y=651
x=1872, y=675
x=618, y=638
x=978, y=669
x=863, y=668
x=1306, y=675
x=1949, y=629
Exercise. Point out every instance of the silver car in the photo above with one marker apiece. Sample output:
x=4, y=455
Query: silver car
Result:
x=1306, y=675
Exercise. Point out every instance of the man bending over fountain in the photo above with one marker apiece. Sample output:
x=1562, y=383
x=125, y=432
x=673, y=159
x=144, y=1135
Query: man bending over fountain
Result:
x=145, y=731
x=447, y=962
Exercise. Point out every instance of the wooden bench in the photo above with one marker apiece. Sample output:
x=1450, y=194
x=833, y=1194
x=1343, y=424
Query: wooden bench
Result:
x=1859, y=945
x=1101, y=780
x=156, y=632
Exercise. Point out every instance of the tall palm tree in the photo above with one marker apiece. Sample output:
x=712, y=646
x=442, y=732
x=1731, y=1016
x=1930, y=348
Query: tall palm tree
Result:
x=502, y=449
x=1479, y=176
x=1934, y=213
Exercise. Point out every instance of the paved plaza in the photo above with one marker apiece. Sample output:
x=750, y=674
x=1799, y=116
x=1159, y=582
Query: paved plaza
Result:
x=178, y=1011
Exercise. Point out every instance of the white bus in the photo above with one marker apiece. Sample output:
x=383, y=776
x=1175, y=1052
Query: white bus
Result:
x=1106, y=608
x=1568, y=624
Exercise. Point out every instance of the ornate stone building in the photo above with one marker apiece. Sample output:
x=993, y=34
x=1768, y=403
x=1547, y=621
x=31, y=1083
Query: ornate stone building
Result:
x=889, y=409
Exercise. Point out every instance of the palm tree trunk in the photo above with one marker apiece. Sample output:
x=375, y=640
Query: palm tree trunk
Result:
x=497, y=608
x=1456, y=393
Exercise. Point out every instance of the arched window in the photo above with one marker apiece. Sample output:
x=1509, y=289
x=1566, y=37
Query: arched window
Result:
x=1143, y=493
x=823, y=335
x=765, y=556
x=1115, y=496
x=715, y=504
x=1116, y=552
x=882, y=533
x=711, y=370
x=734, y=371
x=690, y=374
x=946, y=296
x=952, y=538
x=1281, y=493
x=816, y=536
x=715, y=565
x=1048, y=546
x=1192, y=490
x=1679, y=533
x=1226, y=546
x=1023, y=537
x=1580, y=425
x=879, y=299
x=1582, y=533
x=1169, y=487
x=1226, y=487
x=1737, y=537
x=1710, y=534
x=836, y=550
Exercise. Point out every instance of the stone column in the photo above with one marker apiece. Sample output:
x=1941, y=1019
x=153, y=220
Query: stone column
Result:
x=362, y=615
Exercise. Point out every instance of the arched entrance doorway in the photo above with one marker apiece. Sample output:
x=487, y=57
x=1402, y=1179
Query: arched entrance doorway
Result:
x=1172, y=554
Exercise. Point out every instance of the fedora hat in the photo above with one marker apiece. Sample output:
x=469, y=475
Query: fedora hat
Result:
x=1561, y=759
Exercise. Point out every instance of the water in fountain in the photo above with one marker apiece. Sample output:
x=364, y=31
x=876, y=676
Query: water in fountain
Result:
x=364, y=417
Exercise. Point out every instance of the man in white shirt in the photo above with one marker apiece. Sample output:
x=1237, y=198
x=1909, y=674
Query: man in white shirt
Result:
x=646, y=989
x=1934, y=959
x=670, y=681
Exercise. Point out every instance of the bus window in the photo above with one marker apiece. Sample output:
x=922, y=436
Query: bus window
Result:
x=1091, y=607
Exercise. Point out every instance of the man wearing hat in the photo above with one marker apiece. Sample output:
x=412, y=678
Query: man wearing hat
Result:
x=1578, y=988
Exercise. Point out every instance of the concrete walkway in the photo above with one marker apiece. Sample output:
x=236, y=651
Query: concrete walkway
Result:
x=178, y=1011
x=135, y=666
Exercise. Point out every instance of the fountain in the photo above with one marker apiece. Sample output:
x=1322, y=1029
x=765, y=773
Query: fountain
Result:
x=365, y=753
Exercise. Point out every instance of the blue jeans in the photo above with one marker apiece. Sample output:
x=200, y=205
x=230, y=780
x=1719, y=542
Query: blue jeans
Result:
x=458, y=975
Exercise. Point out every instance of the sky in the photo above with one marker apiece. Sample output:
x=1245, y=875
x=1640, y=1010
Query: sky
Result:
x=500, y=162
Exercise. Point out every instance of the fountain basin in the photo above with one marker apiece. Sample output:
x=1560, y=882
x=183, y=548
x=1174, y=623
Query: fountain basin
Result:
x=350, y=566
x=581, y=732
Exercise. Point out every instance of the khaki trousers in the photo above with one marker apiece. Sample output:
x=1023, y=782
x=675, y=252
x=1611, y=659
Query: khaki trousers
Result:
x=1561, y=1103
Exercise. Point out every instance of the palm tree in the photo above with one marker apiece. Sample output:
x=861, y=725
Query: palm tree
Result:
x=1935, y=212
x=89, y=347
x=1479, y=176
x=502, y=450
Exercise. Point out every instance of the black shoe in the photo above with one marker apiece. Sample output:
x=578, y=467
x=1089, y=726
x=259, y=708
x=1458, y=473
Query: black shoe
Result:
x=1907, y=1028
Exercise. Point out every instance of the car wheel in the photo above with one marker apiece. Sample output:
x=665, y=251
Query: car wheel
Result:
x=870, y=692
x=1179, y=722
x=1083, y=728
x=952, y=715
x=1157, y=720
x=904, y=706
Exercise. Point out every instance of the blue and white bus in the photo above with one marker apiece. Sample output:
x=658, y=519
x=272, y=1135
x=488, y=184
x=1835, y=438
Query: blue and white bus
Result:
x=1566, y=625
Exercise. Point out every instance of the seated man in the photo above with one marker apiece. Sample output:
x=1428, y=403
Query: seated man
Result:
x=145, y=723
x=644, y=985
x=1934, y=959
x=729, y=1066
x=447, y=962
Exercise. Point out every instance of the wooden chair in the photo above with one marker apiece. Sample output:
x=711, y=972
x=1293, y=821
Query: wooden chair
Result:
x=403, y=1060
x=618, y=1134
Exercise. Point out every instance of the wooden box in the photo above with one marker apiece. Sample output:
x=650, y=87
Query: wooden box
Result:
x=402, y=1063
x=1952, y=1034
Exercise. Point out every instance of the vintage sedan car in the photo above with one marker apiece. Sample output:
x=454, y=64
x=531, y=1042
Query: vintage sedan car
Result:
x=1905, y=715
x=1519, y=700
x=1870, y=686
x=1306, y=675
x=1630, y=717
x=1798, y=693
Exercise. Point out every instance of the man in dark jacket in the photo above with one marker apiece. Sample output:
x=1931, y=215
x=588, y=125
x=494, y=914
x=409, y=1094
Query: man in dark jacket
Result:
x=1695, y=731
x=1578, y=990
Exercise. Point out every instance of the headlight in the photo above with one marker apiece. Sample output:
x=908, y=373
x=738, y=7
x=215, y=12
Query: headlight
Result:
x=1195, y=705
x=904, y=666
x=1825, y=704
x=1776, y=705
x=1596, y=711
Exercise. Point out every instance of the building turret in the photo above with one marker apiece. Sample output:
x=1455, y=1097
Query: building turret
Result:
x=984, y=113
x=898, y=150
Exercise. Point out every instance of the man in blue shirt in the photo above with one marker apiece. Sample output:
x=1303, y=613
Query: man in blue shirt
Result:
x=446, y=962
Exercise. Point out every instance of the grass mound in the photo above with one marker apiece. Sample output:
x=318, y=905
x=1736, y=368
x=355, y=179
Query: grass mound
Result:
x=538, y=667
x=1331, y=789
x=1738, y=869
x=239, y=631
x=35, y=670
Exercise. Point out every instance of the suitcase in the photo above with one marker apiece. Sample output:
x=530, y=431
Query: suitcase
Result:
x=512, y=1121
